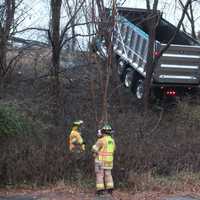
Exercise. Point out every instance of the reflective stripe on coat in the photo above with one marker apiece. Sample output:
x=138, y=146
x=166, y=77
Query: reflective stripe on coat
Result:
x=105, y=148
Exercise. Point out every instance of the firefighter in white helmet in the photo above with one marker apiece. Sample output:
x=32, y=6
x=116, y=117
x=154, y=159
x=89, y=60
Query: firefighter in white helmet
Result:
x=76, y=143
x=76, y=149
x=104, y=151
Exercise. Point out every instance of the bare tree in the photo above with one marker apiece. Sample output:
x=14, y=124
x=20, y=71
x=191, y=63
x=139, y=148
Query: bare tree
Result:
x=70, y=10
x=149, y=67
x=54, y=35
x=59, y=36
x=11, y=16
x=191, y=18
x=105, y=27
x=89, y=15
x=7, y=11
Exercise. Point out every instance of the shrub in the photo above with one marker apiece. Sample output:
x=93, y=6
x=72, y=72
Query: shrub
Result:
x=12, y=122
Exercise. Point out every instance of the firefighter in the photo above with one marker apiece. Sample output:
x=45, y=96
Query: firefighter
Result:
x=103, y=152
x=76, y=148
x=76, y=143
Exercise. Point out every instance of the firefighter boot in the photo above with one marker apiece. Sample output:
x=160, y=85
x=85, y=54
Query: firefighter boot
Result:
x=99, y=192
x=110, y=191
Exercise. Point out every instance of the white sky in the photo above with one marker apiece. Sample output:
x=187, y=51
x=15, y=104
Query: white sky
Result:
x=170, y=8
x=39, y=11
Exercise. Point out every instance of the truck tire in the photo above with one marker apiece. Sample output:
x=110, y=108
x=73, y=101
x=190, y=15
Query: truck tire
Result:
x=121, y=66
x=128, y=77
x=139, y=90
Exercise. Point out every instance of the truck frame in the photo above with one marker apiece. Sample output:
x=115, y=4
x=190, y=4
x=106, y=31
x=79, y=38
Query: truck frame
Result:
x=178, y=69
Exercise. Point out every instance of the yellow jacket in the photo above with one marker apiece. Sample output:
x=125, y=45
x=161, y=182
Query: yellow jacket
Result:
x=104, y=149
x=76, y=143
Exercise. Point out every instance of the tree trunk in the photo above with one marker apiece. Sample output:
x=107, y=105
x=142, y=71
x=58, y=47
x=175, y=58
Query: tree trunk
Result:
x=55, y=71
x=150, y=60
x=3, y=55
x=73, y=45
x=108, y=26
x=55, y=40
x=55, y=68
x=8, y=11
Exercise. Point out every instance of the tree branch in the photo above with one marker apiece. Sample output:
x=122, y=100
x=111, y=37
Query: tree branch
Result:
x=148, y=5
x=76, y=35
x=31, y=29
x=69, y=22
x=177, y=29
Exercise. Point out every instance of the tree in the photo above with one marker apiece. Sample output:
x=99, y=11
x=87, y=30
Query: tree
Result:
x=70, y=7
x=89, y=15
x=106, y=25
x=59, y=37
x=7, y=12
x=149, y=67
x=191, y=18
x=54, y=35
x=12, y=14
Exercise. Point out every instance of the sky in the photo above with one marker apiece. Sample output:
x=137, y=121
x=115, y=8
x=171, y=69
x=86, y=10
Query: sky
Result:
x=38, y=11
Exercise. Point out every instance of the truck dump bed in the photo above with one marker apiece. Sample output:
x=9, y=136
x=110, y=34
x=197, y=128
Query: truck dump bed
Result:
x=180, y=64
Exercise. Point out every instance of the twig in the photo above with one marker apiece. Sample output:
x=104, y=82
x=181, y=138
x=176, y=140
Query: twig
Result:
x=158, y=122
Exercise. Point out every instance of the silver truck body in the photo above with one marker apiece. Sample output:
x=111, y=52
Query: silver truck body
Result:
x=179, y=65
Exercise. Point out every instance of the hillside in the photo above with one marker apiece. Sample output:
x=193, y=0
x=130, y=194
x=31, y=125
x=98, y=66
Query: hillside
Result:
x=165, y=144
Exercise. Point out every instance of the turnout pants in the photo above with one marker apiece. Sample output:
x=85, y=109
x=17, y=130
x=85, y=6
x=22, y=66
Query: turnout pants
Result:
x=74, y=166
x=104, y=179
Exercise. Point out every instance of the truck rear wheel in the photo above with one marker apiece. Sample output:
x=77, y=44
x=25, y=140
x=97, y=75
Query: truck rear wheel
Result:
x=139, y=90
x=121, y=66
x=128, y=78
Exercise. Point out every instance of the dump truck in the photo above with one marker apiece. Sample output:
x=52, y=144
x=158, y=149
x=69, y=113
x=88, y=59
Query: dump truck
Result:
x=178, y=69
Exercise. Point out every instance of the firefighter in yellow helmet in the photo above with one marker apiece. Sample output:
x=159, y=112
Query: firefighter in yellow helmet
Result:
x=104, y=151
x=76, y=148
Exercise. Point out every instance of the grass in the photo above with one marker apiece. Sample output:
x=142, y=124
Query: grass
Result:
x=181, y=181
